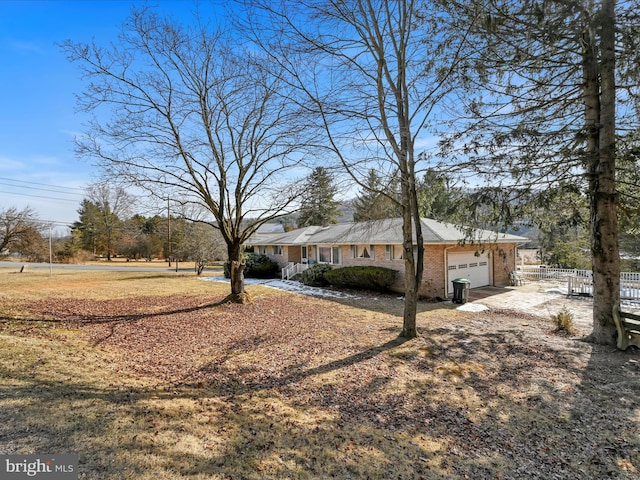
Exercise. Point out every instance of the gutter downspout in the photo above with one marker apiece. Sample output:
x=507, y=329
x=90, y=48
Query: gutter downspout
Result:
x=446, y=271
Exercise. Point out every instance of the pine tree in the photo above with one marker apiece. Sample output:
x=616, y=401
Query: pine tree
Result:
x=541, y=102
x=436, y=198
x=375, y=201
x=318, y=206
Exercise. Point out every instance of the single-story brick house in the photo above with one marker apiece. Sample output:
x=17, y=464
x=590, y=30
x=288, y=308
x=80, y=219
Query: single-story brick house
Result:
x=486, y=259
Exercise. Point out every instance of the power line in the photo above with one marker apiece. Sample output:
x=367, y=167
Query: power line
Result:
x=41, y=189
x=44, y=185
x=39, y=221
x=41, y=196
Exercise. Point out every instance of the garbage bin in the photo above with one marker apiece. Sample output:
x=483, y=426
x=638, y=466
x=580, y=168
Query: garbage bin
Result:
x=461, y=290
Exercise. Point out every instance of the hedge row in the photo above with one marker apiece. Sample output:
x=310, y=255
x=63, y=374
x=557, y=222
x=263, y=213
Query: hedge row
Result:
x=314, y=276
x=322, y=274
x=360, y=277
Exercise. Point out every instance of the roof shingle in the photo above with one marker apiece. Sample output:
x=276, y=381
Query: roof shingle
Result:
x=384, y=232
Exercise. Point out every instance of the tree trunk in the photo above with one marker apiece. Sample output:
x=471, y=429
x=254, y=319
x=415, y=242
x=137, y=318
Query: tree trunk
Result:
x=236, y=270
x=200, y=266
x=600, y=123
x=409, y=329
x=411, y=282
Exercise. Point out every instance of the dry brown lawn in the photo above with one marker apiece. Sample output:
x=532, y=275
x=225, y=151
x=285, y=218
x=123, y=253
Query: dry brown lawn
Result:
x=147, y=376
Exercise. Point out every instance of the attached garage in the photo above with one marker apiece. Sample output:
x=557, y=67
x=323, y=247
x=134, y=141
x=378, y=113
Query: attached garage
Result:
x=468, y=265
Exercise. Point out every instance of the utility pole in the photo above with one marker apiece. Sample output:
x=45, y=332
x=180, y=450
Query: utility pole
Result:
x=50, y=252
x=168, y=233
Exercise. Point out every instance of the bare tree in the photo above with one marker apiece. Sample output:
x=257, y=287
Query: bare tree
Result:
x=202, y=244
x=196, y=118
x=373, y=72
x=19, y=230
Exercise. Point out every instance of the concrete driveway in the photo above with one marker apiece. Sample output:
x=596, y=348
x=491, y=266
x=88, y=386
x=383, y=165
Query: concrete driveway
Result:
x=538, y=298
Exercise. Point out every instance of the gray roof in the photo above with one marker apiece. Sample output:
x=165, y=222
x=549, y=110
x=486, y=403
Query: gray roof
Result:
x=270, y=228
x=266, y=231
x=383, y=232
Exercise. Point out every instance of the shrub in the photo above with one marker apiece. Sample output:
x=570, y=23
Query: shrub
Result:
x=257, y=266
x=564, y=321
x=363, y=277
x=260, y=266
x=315, y=276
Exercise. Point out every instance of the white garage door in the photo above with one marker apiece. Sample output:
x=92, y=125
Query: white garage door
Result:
x=467, y=265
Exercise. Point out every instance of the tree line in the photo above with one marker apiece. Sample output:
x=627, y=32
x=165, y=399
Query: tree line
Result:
x=559, y=230
x=106, y=228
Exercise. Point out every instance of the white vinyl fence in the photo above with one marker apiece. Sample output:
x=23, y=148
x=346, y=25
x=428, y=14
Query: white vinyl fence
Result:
x=580, y=282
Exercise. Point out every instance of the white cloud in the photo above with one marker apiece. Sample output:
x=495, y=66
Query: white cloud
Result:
x=29, y=47
x=9, y=165
x=425, y=143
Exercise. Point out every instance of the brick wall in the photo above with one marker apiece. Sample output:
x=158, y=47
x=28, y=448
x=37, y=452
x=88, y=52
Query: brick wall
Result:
x=434, y=282
x=504, y=262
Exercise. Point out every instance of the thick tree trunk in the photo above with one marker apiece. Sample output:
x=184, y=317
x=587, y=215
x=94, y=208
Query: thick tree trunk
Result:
x=236, y=270
x=600, y=122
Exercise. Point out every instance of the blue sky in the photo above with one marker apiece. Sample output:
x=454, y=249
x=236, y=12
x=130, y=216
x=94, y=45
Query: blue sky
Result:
x=38, y=117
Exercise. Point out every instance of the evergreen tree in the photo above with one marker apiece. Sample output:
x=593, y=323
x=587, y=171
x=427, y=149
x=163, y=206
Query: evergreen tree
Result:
x=100, y=218
x=318, y=206
x=562, y=222
x=437, y=199
x=376, y=202
x=541, y=101
x=86, y=231
x=628, y=179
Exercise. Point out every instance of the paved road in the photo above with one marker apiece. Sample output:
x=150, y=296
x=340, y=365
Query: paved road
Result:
x=108, y=268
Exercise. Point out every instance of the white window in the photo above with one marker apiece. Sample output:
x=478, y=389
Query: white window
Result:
x=336, y=256
x=324, y=254
x=277, y=250
x=393, y=252
x=329, y=255
x=362, y=251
